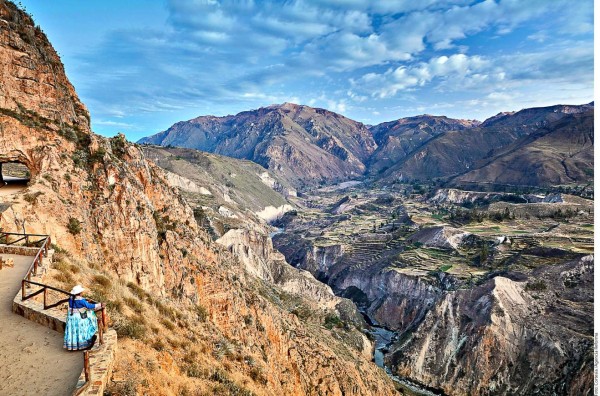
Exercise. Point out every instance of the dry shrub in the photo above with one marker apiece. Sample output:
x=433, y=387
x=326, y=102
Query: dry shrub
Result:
x=201, y=312
x=131, y=327
x=137, y=291
x=167, y=323
x=134, y=304
x=65, y=278
x=102, y=281
x=165, y=310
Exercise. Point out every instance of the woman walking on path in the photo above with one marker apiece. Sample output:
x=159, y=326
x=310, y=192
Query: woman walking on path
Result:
x=82, y=323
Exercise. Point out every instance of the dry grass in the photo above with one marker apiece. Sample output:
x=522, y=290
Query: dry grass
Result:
x=134, y=304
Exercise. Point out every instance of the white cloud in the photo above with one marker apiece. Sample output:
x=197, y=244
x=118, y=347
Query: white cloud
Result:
x=237, y=53
x=561, y=67
x=458, y=69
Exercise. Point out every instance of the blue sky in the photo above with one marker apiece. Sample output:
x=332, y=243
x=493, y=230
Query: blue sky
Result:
x=141, y=65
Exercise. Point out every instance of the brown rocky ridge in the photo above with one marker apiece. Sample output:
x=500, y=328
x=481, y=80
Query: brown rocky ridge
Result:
x=397, y=139
x=561, y=153
x=479, y=293
x=457, y=151
x=289, y=140
x=305, y=146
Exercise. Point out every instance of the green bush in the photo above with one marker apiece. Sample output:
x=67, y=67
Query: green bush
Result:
x=537, y=285
x=119, y=145
x=201, y=312
x=32, y=197
x=74, y=226
x=98, y=155
x=193, y=370
x=258, y=376
x=332, y=321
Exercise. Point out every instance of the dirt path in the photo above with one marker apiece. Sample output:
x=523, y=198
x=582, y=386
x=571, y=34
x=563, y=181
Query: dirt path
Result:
x=13, y=185
x=32, y=360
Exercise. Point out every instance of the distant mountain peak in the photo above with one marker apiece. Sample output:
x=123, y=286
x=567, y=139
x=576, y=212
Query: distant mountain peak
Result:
x=306, y=146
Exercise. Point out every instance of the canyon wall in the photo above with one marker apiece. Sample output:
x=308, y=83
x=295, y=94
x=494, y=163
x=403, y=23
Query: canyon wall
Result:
x=106, y=205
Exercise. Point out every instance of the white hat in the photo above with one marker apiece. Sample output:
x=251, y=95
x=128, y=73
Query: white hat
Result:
x=77, y=289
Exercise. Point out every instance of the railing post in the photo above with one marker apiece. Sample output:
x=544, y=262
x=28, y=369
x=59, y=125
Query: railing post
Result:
x=101, y=333
x=86, y=365
x=45, y=297
x=35, y=265
x=23, y=290
x=27, y=240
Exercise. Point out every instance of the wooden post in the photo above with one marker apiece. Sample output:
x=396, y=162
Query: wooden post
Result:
x=27, y=240
x=104, y=318
x=86, y=365
x=45, y=297
x=101, y=333
x=22, y=289
x=35, y=265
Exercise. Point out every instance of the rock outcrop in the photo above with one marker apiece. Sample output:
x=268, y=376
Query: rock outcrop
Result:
x=442, y=237
x=494, y=333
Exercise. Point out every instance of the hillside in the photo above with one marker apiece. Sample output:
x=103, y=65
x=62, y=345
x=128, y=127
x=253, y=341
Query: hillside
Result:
x=558, y=154
x=190, y=317
x=397, y=139
x=458, y=151
x=221, y=183
x=305, y=146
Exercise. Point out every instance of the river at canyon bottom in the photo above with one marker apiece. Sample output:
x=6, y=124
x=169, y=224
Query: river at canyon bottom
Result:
x=384, y=339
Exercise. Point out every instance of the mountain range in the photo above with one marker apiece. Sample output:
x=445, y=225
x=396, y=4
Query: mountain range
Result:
x=310, y=147
x=303, y=145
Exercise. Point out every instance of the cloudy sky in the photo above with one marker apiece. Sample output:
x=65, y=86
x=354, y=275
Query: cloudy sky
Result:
x=141, y=65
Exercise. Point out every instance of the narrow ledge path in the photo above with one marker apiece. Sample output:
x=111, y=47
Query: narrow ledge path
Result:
x=32, y=359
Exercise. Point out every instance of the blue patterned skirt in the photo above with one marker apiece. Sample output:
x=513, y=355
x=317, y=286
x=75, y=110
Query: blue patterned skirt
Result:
x=79, y=332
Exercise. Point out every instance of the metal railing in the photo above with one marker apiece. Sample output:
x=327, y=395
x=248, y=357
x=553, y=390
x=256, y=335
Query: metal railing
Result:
x=43, y=242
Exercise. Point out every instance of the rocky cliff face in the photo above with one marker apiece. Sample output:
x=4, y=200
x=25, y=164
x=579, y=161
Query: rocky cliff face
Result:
x=493, y=333
x=303, y=145
x=389, y=297
x=33, y=76
x=514, y=334
x=104, y=203
x=484, y=307
x=112, y=195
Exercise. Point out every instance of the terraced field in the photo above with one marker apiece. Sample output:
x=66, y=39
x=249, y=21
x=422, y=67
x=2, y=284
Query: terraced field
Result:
x=375, y=228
